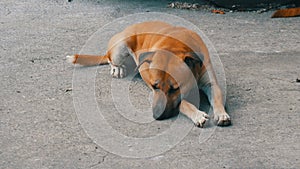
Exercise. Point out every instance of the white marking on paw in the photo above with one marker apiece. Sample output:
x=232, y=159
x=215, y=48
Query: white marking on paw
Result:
x=118, y=71
x=222, y=119
x=200, y=118
x=70, y=58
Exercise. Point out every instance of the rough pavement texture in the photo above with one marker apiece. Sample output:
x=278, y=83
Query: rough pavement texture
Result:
x=38, y=124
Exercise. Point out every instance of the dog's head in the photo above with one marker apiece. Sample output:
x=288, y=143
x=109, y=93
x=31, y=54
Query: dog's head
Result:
x=170, y=76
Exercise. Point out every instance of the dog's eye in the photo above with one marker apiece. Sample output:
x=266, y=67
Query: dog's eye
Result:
x=173, y=90
x=155, y=86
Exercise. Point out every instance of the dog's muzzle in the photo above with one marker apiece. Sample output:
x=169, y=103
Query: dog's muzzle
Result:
x=158, y=104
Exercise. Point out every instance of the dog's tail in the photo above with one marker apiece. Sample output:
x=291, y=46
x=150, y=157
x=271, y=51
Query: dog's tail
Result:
x=88, y=60
x=290, y=12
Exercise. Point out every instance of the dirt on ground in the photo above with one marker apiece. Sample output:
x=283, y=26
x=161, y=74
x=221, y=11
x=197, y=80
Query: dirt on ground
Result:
x=39, y=126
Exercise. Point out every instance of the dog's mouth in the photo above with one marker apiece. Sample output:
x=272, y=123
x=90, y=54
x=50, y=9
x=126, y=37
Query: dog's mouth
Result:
x=167, y=115
x=169, y=112
x=165, y=106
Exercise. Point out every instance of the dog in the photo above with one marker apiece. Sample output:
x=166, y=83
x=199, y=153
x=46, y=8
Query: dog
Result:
x=289, y=12
x=170, y=60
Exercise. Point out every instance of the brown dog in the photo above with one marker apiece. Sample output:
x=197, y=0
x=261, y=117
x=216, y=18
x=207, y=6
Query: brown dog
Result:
x=172, y=61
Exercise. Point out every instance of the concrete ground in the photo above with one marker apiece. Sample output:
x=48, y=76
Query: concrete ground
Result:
x=40, y=129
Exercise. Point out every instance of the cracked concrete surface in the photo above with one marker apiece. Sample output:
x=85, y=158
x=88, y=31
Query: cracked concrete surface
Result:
x=38, y=124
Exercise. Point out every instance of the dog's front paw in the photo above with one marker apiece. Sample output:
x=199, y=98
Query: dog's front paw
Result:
x=118, y=71
x=222, y=119
x=200, y=119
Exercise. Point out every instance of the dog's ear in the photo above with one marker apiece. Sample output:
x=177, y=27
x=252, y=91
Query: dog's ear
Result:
x=144, y=57
x=193, y=58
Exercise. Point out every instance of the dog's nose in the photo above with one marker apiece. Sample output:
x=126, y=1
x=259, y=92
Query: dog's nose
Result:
x=158, y=104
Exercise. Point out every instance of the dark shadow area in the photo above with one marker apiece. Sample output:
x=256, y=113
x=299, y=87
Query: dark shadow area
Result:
x=252, y=5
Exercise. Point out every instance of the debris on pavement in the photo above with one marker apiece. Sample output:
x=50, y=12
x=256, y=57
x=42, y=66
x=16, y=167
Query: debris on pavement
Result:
x=196, y=6
x=68, y=90
x=283, y=10
x=216, y=11
x=185, y=5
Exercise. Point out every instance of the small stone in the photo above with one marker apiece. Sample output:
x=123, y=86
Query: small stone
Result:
x=68, y=90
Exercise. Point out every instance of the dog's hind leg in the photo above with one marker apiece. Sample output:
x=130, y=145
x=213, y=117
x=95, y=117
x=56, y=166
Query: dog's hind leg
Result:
x=120, y=54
